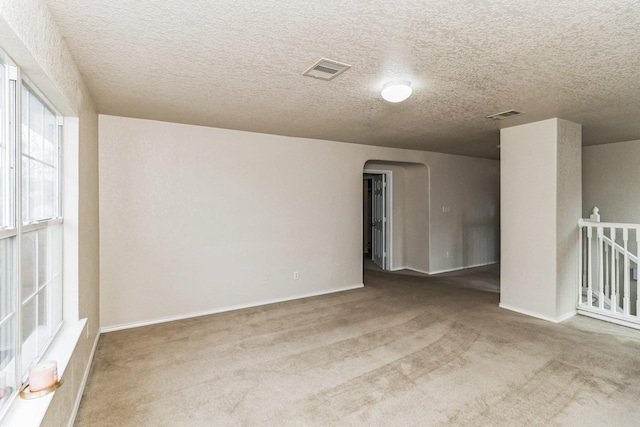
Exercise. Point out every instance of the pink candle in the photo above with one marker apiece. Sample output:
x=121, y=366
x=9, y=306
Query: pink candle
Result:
x=43, y=375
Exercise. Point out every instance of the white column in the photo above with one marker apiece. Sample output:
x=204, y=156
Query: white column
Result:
x=541, y=202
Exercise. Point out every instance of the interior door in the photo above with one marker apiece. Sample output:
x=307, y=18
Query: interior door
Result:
x=379, y=220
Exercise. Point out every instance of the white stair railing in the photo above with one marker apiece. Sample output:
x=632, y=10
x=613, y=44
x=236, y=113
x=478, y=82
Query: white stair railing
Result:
x=609, y=287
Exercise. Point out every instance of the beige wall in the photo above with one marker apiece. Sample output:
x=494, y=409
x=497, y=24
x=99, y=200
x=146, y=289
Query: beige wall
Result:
x=528, y=202
x=30, y=36
x=569, y=206
x=193, y=219
x=611, y=181
x=460, y=232
x=416, y=204
x=88, y=219
x=541, y=200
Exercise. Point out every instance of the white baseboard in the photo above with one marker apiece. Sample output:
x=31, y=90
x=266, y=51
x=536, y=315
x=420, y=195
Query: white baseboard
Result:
x=445, y=270
x=448, y=270
x=85, y=377
x=567, y=316
x=417, y=270
x=531, y=313
x=612, y=318
x=131, y=325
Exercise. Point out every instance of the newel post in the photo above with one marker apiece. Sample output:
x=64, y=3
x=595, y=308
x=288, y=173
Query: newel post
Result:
x=595, y=214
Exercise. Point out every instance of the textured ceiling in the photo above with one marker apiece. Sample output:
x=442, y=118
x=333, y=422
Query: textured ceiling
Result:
x=238, y=64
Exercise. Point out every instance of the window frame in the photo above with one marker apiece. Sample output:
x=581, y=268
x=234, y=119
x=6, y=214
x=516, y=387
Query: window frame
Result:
x=14, y=229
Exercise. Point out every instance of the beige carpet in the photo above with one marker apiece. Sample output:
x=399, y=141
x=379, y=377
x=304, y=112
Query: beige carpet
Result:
x=405, y=350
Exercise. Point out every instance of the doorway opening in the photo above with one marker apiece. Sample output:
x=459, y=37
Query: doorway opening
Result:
x=376, y=214
x=407, y=227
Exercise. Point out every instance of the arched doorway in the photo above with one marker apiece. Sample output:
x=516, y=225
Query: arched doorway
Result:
x=405, y=227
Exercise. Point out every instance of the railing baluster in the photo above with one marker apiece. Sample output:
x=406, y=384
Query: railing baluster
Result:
x=607, y=275
x=607, y=269
x=614, y=279
x=626, y=301
x=589, y=267
x=618, y=283
x=581, y=265
x=638, y=266
x=583, y=260
x=600, y=269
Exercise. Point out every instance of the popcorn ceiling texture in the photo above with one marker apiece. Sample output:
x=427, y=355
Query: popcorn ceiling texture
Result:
x=50, y=59
x=238, y=64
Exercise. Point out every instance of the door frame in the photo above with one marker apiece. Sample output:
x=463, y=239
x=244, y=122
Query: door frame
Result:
x=388, y=230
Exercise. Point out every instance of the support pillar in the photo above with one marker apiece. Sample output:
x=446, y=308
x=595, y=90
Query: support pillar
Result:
x=541, y=202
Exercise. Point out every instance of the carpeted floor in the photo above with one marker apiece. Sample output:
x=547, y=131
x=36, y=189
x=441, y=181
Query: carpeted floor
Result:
x=405, y=350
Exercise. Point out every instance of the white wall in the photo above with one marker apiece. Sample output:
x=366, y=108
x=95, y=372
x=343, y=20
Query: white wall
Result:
x=460, y=232
x=611, y=181
x=541, y=200
x=416, y=210
x=528, y=202
x=29, y=34
x=569, y=206
x=193, y=219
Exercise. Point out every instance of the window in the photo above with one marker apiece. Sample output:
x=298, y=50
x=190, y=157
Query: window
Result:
x=30, y=228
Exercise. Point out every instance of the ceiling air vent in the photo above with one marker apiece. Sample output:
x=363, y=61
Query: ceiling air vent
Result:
x=326, y=69
x=504, y=115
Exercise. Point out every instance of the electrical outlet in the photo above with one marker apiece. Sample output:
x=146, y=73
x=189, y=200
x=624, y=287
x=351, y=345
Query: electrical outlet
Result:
x=266, y=279
x=296, y=276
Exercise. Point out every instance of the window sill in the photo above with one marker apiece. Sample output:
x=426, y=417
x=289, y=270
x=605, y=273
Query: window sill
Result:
x=25, y=413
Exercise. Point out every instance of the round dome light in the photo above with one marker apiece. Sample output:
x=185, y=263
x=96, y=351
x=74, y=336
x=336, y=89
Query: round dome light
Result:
x=396, y=91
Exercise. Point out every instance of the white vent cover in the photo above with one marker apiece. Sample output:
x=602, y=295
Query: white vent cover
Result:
x=504, y=114
x=326, y=69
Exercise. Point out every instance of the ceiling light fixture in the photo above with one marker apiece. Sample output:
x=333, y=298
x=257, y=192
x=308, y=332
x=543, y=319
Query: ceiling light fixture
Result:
x=396, y=91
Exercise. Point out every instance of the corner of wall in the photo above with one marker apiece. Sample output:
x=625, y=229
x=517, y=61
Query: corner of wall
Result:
x=568, y=213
